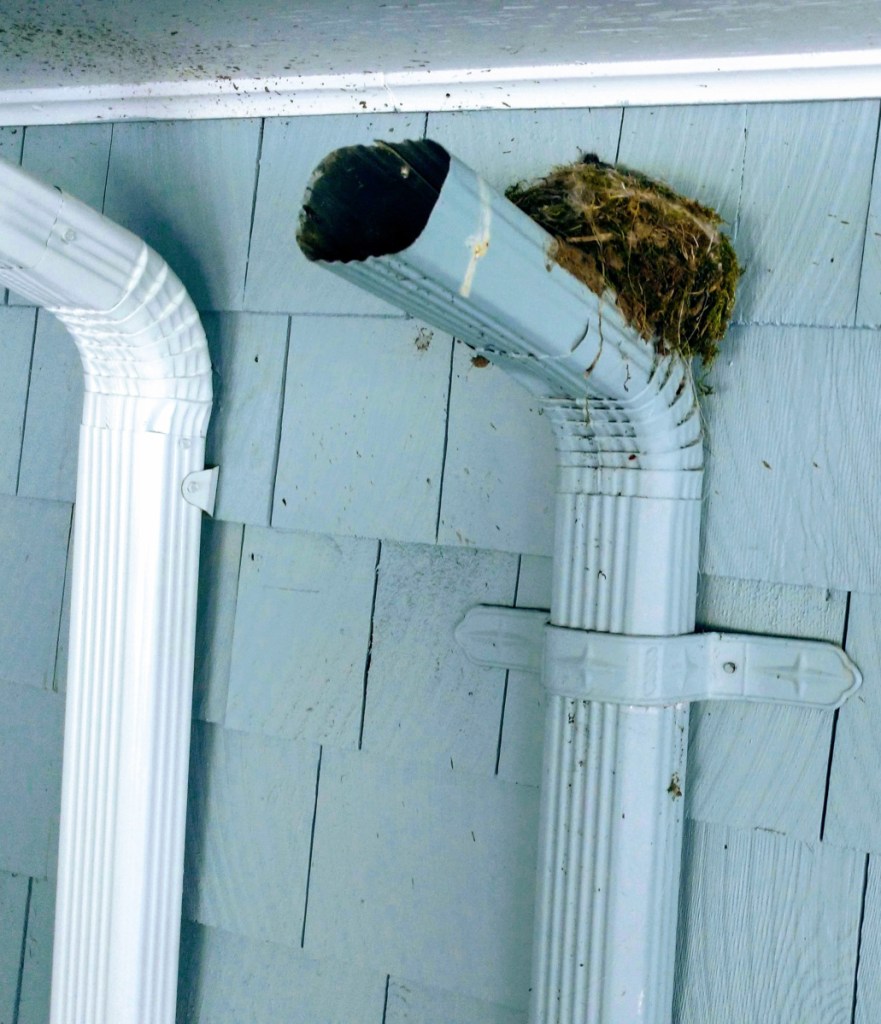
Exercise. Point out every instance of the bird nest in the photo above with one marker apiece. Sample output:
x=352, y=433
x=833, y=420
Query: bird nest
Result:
x=672, y=271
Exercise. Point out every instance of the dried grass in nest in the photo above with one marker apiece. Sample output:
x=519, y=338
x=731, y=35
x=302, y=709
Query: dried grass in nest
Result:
x=672, y=270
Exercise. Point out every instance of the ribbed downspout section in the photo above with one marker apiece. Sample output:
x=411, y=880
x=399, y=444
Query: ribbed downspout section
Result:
x=630, y=459
x=613, y=775
x=609, y=856
x=126, y=731
x=135, y=569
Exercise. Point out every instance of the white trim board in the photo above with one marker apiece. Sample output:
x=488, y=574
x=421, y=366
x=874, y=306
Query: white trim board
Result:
x=852, y=74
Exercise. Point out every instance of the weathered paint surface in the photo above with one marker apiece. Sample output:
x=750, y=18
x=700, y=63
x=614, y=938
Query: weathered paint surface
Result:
x=227, y=979
x=187, y=188
x=362, y=818
x=292, y=588
x=11, y=140
x=30, y=777
x=500, y=456
x=380, y=888
x=219, y=564
x=13, y=915
x=425, y=701
x=17, y=327
x=362, y=443
x=412, y=1003
x=33, y=551
x=507, y=146
x=802, y=237
x=36, y=971
x=248, y=354
x=791, y=494
x=768, y=928
x=854, y=814
x=54, y=405
x=51, y=45
x=868, y=989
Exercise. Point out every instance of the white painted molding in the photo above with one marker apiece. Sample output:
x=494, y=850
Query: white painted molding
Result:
x=850, y=74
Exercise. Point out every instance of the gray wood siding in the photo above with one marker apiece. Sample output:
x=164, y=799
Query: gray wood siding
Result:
x=361, y=829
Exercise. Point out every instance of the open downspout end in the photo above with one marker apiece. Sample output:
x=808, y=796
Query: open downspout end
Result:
x=367, y=201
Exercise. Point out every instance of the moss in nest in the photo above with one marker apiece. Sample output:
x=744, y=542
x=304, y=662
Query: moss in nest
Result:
x=673, y=271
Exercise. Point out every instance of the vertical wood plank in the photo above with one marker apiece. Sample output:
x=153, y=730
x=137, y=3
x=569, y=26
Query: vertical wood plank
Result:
x=853, y=814
x=869, y=307
x=30, y=777
x=11, y=141
x=425, y=700
x=280, y=278
x=792, y=482
x=775, y=609
x=187, y=189
x=522, y=745
x=697, y=150
x=767, y=929
x=59, y=683
x=506, y=146
x=33, y=553
x=363, y=430
x=248, y=356
x=301, y=635
x=36, y=979
x=55, y=403
x=534, y=581
x=426, y=874
x=411, y=1003
x=220, y=557
x=72, y=157
x=17, y=331
x=249, y=817
x=227, y=979
x=13, y=904
x=760, y=765
x=868, y=992
x=806, y=186
x=500, y=471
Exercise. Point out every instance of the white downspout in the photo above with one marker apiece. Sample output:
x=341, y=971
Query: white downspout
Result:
x=136, y=550
x=414, y=225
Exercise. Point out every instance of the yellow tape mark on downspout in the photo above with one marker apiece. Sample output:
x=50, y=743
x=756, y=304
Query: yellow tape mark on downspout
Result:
x=478, y=243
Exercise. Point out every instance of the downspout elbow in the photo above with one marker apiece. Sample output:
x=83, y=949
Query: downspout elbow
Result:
x=412, y=224
x=143, y=350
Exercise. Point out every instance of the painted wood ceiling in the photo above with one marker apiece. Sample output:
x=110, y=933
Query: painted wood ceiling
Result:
x=57, y=43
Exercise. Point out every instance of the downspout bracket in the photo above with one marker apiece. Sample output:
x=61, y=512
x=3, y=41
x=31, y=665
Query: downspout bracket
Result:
x=657, y=671
x=200, y=489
